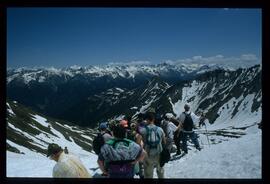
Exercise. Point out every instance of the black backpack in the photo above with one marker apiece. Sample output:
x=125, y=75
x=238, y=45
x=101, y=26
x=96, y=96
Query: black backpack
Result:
x=98, y=142
x=188, y=122
x=152, y=137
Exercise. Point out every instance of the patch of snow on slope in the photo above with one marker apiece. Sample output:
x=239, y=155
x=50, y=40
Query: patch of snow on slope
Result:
x=119, y=89
x=237, y=158
x=28, y=77
x=10, y=110
x=225, y=112
x=187, y=93
x=41, y=120
x=87, y=137
x=11, y=78
x=13, y=127
x=23, y=149
x=244, y=117
x=41, y=79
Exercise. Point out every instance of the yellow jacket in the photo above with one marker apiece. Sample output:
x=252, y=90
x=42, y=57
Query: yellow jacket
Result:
x=70, y=166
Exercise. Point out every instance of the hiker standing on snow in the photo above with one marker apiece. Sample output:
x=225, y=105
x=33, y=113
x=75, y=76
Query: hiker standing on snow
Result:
x=153, y=137
x=120, y=154
x=66, y=150
x=202, y=120
x=68, y=165
x=178, y=134
x=187, y=119
x=169, y=128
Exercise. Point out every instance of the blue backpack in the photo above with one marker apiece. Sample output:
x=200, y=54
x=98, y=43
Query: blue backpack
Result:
x=152, y=137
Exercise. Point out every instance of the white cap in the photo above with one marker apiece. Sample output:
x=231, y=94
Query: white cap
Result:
x=169, y=115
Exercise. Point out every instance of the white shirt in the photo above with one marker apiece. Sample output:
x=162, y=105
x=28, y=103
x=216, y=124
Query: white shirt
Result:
x=70, y=166
x=171, y=129
x=194, y=117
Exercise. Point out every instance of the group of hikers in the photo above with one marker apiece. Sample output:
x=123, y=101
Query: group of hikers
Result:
x=127, y=148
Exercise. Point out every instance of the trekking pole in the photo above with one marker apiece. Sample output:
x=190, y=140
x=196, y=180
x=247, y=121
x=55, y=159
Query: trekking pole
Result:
x=207, y=135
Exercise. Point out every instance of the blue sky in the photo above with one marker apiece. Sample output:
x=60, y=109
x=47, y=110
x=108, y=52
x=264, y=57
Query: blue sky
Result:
x=62, y=37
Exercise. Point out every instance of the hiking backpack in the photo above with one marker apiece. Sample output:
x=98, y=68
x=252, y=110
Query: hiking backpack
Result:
x=98, y=142
x=120, y=168
x=152, y=137
x=188, y=122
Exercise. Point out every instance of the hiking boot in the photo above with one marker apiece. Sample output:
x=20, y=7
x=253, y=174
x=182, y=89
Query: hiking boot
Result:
x=198, y=148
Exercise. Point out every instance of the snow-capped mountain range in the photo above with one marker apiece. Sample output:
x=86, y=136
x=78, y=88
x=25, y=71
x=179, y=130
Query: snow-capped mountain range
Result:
x=86, y=99
x=166, y=70
x=219, y=94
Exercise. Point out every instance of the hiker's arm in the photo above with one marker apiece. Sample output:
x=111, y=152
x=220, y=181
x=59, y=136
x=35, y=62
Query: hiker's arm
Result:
x=139, y=140
x=142, y=155
x=163, y=139
x=175, y=121
x=179, y=127
x=173, y=127
x=101, y=166
x=180, y=122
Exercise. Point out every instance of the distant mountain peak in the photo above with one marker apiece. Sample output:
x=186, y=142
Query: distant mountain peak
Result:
x=41, y=74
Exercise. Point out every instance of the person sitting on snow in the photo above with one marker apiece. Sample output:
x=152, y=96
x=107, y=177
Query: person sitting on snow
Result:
x=68, y=165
